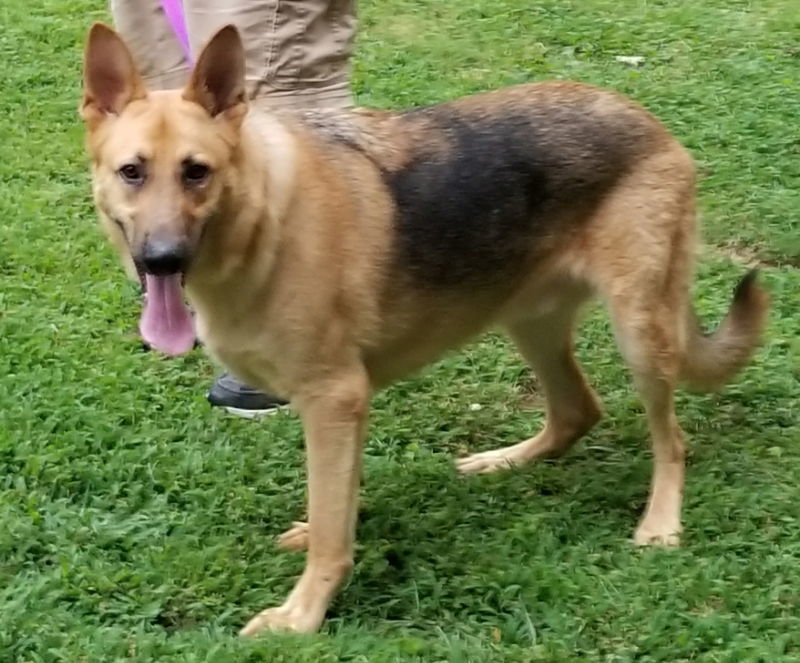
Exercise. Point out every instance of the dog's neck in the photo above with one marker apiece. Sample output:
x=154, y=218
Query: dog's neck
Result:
x=258, y=192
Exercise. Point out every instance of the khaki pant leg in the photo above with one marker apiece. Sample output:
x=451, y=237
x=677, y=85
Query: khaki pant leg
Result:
x=298, y=51
x=156, y=51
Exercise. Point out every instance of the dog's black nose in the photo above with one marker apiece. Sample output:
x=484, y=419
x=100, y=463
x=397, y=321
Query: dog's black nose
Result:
x=163, y=257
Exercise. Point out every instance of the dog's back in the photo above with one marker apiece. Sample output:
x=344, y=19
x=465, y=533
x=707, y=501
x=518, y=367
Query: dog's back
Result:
x=483, y=184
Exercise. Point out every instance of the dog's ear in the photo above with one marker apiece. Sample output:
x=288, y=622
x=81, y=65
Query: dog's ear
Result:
x=217, y=82
x=110, y=78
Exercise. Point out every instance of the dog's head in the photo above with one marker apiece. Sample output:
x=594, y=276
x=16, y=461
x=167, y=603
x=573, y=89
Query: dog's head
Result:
x=161, y=159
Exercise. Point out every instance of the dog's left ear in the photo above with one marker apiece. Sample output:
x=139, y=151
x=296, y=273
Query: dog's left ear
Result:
x=217, y=82
x=110, y=78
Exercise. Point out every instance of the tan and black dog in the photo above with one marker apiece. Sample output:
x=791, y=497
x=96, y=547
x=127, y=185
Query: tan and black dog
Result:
x=326, y=255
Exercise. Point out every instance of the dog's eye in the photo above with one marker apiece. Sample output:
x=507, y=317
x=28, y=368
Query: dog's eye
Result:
x=195, y=173
x=132, y=173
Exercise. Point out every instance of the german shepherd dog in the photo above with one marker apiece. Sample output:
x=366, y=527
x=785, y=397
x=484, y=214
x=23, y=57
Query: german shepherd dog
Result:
x=326, y=255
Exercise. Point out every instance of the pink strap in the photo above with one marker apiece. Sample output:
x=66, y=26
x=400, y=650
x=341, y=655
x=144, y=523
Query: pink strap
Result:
x=174, y=12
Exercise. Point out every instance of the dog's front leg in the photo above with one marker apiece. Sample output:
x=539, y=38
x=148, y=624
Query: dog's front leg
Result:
x=334, y=417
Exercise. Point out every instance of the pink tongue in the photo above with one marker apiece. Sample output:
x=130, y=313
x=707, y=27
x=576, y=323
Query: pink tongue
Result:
x=166, y=323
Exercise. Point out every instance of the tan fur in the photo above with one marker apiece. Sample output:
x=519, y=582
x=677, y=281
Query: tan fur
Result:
x=297, y=286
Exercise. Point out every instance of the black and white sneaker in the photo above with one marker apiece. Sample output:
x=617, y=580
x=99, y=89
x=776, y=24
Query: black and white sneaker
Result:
x=241, y=400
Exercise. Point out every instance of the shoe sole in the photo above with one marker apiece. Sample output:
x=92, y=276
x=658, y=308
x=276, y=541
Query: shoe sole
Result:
x=254, y=414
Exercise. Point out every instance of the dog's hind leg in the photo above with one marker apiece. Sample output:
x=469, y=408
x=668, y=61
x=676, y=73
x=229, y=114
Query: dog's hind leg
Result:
x=641, y=263
x=649, y=339
x=648, y=318
x=572, y=406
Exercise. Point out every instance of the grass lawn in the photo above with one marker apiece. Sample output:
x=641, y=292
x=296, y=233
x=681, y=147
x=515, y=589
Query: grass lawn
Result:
x=136, y=524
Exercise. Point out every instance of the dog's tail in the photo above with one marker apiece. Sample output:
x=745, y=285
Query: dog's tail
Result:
x=710, y=360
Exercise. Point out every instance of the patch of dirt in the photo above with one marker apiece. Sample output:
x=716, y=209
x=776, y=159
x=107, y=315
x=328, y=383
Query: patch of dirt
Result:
x=751, y=256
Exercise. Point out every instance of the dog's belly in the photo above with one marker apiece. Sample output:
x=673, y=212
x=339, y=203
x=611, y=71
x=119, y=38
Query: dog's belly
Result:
x=405, y=357
x=424, y=328
x=413, y=339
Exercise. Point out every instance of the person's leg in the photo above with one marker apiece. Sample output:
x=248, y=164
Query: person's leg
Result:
x=163, y=65
x=298, y=56
x=147, y=33
x=298, y=53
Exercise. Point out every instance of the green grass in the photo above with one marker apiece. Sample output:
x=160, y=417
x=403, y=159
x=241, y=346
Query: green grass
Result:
x=135, y=524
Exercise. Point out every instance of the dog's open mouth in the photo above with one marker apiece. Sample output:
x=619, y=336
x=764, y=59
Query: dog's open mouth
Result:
x=166, y=323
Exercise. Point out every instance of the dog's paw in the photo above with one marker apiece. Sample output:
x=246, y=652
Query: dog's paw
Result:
x=285, y=619
x=295, y=538
x=660, y=537
x=487, y=461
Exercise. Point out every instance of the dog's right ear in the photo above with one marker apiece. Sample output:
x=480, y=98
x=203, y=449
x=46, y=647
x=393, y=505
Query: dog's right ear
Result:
x=110, y=78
